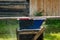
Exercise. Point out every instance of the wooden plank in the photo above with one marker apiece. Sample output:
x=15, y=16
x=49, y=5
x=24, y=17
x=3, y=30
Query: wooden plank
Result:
x=44, y=7
x=27, y=32
x=12, y=0
x=30, y=17
x=32, y=7
x=14, y=7
x=39, y=33
x=38, y=5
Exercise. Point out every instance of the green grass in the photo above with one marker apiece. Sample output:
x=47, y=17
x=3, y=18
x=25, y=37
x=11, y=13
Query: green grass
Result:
x=8, y=29
x=52, y=36
x=52, y=31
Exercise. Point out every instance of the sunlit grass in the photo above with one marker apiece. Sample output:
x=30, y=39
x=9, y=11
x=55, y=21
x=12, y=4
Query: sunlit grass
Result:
x=52, y=36
x=8, y=38
x=57, y=35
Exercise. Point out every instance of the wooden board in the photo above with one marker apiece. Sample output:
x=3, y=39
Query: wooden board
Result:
x=39, y=33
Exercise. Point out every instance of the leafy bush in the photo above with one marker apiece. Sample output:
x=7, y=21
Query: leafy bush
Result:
x=6, y=25
x=52, y=25
x=53, y=21
x=38, y=13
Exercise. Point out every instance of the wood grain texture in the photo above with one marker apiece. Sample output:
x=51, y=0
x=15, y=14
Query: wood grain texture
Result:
x=14, y=7
x=50, y=7
x=39, y=33
x=12, y=0
x=38, y=5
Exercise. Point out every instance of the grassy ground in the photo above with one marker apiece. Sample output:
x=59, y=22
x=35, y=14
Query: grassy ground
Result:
x=8, y=29
x=52, y=31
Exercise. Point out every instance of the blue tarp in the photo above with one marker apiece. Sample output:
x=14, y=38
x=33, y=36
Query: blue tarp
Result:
x=33, y=24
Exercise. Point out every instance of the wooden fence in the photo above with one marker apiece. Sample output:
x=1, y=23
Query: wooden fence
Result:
x=49, y=7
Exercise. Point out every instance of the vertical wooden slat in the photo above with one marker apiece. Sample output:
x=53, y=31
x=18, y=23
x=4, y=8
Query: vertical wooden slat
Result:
x=51, y=11
x=55, y=7
x=48, y=7
x=45, y=8
x=51, y=7
x=38, y=5
x=42, y=7
x=59, y=8
x=32, y=5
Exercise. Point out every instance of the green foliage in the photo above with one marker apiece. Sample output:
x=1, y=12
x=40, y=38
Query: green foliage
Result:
x=7, y=25
x=53, y=21
x=53, y=25
x=38, y=13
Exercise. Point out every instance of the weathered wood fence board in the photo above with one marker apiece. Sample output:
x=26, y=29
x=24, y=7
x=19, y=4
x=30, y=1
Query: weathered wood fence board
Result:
x=50, y=7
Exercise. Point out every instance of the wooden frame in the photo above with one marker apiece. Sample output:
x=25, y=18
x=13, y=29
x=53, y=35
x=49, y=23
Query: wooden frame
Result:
x=37, y=33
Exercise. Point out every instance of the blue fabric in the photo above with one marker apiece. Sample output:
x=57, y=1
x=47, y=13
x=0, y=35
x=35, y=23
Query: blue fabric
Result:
x=36, y=25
